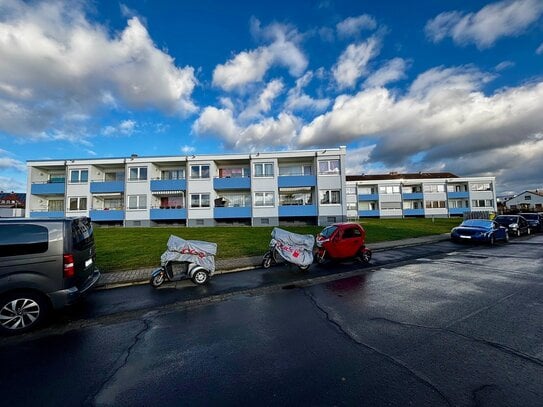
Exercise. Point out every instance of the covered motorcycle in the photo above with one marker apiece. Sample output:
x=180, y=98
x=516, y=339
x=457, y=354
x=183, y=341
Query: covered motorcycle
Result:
x=195, y=258
x=290, y=247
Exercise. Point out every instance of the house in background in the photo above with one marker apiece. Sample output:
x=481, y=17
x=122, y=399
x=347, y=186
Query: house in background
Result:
x=527, y=201
x=12, y=204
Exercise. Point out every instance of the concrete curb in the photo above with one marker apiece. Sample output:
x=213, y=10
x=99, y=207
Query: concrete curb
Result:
x=125, y=278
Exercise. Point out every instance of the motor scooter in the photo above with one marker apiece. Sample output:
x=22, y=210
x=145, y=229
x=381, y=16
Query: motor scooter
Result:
x=290, y=248
x=342, y=241
x=190, y=258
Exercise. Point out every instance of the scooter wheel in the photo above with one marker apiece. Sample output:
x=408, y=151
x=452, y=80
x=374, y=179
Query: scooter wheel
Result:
x=200, y=277
x=303, y=268
x=157, y=280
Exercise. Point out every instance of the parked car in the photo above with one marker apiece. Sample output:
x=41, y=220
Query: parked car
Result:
x=535, y=221
x=45, y=264
x=480, y=231
x=342, y=241
x=516, y=224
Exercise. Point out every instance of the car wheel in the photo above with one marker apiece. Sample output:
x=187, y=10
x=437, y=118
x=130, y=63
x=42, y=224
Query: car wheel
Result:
x=518, y=233
x=364, y=256
x=22, y=311
x=529, y=231
x=506, y=239
x=320, y=257
x=200, y=277
x=492, y=240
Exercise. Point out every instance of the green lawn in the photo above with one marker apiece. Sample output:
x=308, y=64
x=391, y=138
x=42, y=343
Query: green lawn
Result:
x=129, y=248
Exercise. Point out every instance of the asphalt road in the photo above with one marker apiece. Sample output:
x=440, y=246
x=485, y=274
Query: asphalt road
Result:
x=438, y=326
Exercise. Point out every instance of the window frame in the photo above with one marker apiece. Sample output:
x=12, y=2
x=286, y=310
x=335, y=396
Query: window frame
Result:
x=323, y=192
x=139, y=175
x=329, y=171
x=200, y=200
x=138, y=198
x=264, y=165
x=79, y=200
x=79, y=179
x=265, y=203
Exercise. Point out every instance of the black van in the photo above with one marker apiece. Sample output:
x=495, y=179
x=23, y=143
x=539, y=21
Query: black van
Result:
x=44, y=264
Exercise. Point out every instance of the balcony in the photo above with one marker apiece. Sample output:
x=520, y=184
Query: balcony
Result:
x=368, y=197
x=98, y=215
x=413, y=195
x=47, y=214
x=297, y=210
x=232, y=212
x=232, y=183
x=292, y=181
x=168, y=214
x=50, y=188
x=369, y=214
x=458, y=211
x=463, y=194
x=159, y=185
x=105, y=187
x=413, y=212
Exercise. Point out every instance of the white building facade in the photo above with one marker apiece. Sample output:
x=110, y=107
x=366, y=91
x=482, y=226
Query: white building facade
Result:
x=418, y=195
x=531, y=201
x=258, y=189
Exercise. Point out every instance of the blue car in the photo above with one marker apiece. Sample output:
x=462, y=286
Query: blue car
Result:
x=479, y=231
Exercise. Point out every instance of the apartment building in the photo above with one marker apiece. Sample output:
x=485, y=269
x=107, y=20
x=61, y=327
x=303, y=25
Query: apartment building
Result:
x=258, y=189
x=396, y=195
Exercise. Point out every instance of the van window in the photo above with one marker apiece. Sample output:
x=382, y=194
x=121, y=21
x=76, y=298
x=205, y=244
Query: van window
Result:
x=82, y=233
x=17, y=240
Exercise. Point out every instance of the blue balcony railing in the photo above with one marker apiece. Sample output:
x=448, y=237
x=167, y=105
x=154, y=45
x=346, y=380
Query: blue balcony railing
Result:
x=413, y=195
x=232, y=212
x=52, y=188
x=413, y=212
x=369, y=214
x=232, y=183
x=98, y=215
x=297, y=210
x=458, y=211
x=158, y=185
x=101, y=187
x=293, y=181
x=47, y=214
x=463, y=194
x=368, y=197
x=168, y=214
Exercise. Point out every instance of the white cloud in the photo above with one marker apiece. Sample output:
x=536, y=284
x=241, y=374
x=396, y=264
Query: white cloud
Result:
x=353, y=25
x=251, y=66
x=502, y=66
x=352, y=63
x=392, y=71
x=218, y=123
x=502, y=19
x=297, y=100
x=8, y=184
x=7, y=163
x=188, y=149
x=57, y=65
x=358, y=159
x=539, y=50
x=445, y=114
x=124, y=128
x=264, y=101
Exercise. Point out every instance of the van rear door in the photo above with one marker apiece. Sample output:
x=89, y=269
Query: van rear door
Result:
x=83, y=251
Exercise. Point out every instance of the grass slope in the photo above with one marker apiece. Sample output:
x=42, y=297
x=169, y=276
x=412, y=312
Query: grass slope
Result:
x=129, y=248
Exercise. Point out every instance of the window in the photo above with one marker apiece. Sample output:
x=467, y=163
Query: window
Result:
x=113, y=203
x=329, y=197
x=114, y=176
x=295, y=196
x=435, y=204
x=264, y=199
x=527, y=198
x=79, y=176
x=173, y=174
x=17, y=240
x=199, y=171
x=458, y=204
x=232, y=199
x=351, y=206
x=481, y=203
x=199, y=200
x=391, y=206
x=367, y=190
x=350, y=190
x=411, y=189
x=481, y=187
x=351, y=233
x=263, y=169
x=57, y=178
x=55, y=205
x=389, y=189
x=137, y=201
x=330, y=167
x=434, y=188
x=234, y=172
x=78, y=204
x=293, y=170
x=137, y=173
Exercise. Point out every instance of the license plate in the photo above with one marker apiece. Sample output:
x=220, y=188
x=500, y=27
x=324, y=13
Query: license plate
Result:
x=88, y=263
x=465, y=237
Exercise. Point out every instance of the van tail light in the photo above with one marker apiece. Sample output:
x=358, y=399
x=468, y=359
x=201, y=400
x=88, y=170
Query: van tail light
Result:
x=69, y=270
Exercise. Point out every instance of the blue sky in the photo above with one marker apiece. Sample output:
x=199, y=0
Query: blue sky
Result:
x=447, y=85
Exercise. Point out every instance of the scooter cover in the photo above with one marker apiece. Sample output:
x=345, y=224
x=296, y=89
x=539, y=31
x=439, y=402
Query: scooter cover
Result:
x=193, y=251
x=294, y=248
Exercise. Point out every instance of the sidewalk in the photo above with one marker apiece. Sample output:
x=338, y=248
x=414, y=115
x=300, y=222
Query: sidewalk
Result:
x=141, y=276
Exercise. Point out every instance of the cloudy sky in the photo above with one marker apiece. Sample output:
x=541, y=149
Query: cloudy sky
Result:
x=447, y=85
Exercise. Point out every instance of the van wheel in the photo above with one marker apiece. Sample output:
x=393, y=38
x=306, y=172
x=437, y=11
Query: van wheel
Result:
x=22, y=311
